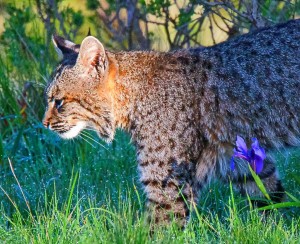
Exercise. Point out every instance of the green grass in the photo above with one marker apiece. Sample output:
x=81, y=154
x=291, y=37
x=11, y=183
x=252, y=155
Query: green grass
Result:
x=87, y=191
x=118, y=218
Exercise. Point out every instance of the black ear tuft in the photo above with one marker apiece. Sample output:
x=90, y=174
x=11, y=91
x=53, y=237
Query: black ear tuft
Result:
x=63, y=46
x=89, y=32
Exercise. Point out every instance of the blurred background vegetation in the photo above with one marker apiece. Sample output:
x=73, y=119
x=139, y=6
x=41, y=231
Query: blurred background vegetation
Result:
x=44, y=164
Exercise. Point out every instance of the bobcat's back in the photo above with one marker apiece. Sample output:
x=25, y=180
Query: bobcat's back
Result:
x=253, y=86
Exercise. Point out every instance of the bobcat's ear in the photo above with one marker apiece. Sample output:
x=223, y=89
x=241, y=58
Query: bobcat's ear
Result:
x=64, y=47
x=92, y=55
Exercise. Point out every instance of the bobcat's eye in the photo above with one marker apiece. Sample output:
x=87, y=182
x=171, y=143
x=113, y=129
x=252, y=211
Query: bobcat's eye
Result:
x=58, y=103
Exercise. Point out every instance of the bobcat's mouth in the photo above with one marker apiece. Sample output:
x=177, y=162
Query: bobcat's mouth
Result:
x=74, y=131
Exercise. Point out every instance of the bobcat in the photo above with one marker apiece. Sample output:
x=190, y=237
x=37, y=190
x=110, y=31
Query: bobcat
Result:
x=184, y=109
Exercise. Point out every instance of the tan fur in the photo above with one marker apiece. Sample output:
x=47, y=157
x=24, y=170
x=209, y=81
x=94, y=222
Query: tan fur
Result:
x=184, y=109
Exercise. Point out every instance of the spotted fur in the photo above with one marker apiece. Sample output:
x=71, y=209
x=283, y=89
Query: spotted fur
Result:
x=184, y=109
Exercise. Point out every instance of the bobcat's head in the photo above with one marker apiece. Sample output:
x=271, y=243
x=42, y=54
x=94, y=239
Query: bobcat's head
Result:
x=78, y=96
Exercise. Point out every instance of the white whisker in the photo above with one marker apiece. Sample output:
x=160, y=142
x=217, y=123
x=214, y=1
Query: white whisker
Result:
x=86, y=141
x=90, y=128
x=87, y=136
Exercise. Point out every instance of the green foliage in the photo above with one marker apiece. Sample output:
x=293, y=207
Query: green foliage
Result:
x=278, y=12
x=122, y=223
x=74, y=18
x=155, y=6
x=185, y=16
x=259, y=183
x=92, y=4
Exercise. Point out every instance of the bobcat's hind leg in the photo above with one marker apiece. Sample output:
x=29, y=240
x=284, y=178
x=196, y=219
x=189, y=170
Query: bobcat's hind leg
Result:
x=245, y=183
x=169, y=189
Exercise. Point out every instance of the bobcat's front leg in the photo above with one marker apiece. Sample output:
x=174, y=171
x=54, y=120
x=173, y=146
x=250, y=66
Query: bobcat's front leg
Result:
x=169, y=188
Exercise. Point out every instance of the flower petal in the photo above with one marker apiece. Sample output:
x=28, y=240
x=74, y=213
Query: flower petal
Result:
x=232, y=165
x=257, y=164
x=241, y=155
x=241, y=145
x=255, y=155
x=260, y=153
x=255, y=143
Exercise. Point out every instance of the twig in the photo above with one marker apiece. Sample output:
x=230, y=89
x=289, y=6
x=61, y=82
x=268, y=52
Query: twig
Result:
x=166, y=11
x=12, y=202
x=26, y=201
x=217, y=24
x=26, y=46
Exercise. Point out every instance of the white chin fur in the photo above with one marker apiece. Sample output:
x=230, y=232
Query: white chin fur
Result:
x=74, y=131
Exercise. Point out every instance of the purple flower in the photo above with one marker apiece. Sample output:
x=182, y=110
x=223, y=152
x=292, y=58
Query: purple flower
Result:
x=255, y=156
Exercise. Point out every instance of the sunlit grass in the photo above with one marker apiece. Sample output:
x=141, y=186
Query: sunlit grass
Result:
x=123, y=221
x=90, y=194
